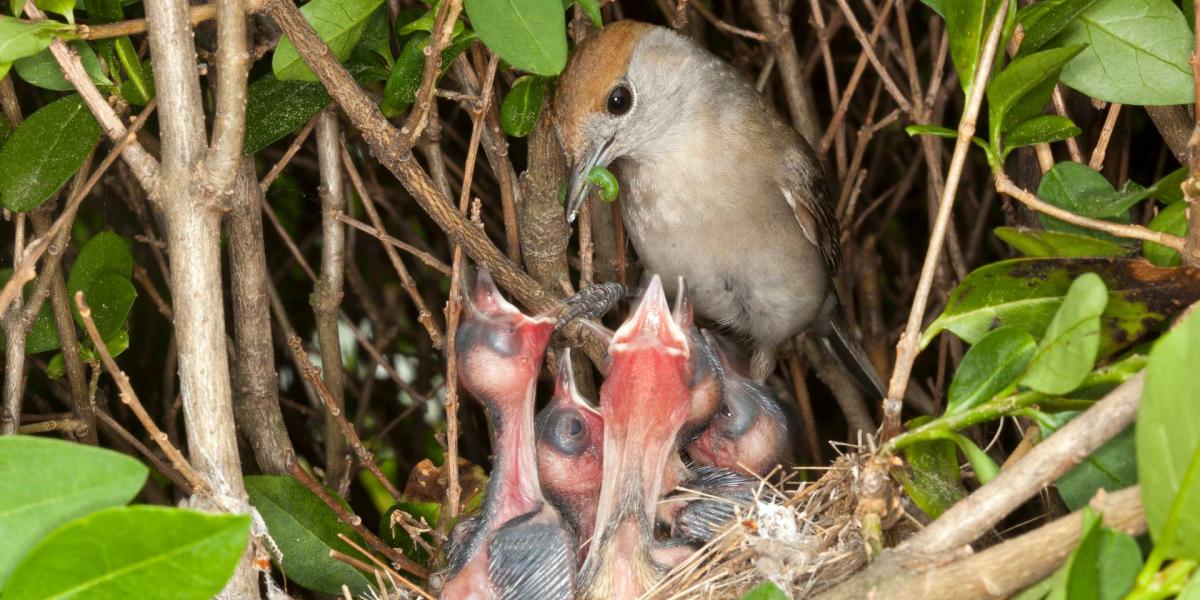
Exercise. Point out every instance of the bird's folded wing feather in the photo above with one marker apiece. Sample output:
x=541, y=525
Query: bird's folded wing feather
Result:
x=529, y=560
x=807, y=191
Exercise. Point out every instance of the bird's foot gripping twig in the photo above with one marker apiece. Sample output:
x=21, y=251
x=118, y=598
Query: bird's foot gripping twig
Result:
x=592, y=302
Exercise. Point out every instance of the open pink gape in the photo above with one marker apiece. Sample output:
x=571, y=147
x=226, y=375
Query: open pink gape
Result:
x=572, y=505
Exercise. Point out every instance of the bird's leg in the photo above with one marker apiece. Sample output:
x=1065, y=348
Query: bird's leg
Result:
x=592, y=302
x=762, y=363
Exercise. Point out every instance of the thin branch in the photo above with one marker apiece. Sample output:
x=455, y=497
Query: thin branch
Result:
x=443, y=30
x=313, y=375
x=425, y=257
x=162, y=466
x=292, y=148
x=1191, y=188
x=907, y=349
x=198, y=14
x=797, y=91
x=976, y=514
x=229, y=124
x=1004, y=185
x=354, y=521
x=1101, y=149
x=129, y=397
x=869, y=48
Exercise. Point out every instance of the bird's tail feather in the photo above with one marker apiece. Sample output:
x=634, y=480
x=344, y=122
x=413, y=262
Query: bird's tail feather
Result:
x=840, y=342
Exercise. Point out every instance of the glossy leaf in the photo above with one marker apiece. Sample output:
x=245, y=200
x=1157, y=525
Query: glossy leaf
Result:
x=138, y=551
x=591, y=8
x=989, y=367
x=1021, y=90
x=1138, y=53
x=530, y=35
x=66, y=8
x=1173, y=220
x=985, y=468
x=1168, y=442
x=43, y=335
x=43, y=71
x=1070, y=345
x=110, y=297
x=1026, y=292
x=1077, y=577
x=339, y=23
x=276, y=108
x=765, y=591
x=1043, y=243
x=937, y=130
x=105, y=253
x=305, y=530
x=405, y=79
x=44, y=152
x=522, y=105
x=1169, y=189
x=19, y=38
x=46, y=482
x=1044, y=20
x=1112, y=467
x=1038, y=130
x=375, y=42
x=1081, y=190
x=938, y=6
x=967, y=22
x=933, y=479
x=1120, y=561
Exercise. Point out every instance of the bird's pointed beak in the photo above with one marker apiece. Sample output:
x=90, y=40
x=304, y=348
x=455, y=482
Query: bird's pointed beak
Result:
x=578, y=186
x=564, y=385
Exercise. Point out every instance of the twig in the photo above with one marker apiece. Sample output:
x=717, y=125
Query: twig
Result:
x=424, y=315
x=907, y=349
x=453, y=487
x=165, y=468
x=1004, y=185
x=1060, y=106
x=129, y=397
x=722, y=25
x=1110, y=122
x=443, y=29
x=839, y=114
x=979, y=512
x=1191, y=188
x=362, y=566
x=869, y=49
x=198, y=14
x=327, y=292
x=795, y=86
x=354, y=521
x=313, y=375
x=425, y=257
x=292, y=148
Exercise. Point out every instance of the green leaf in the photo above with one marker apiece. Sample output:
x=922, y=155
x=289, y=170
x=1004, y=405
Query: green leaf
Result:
x=1077, y=577
x=938, y=130
x=1043, y=243
x=376, y=39
x=43, y=71
x=1046, y=19
x=339, y=23
x=967, y=22
x=1168, y=442
x=933, y=479
x=401, y=89
x=1120, y=561
x=522, y=105
x=110, y=297
x=66, y=8
x=305, y=530
x=276, y=108
x=990, y=367
x=765, y=591
x=44, y=152
x=19, y=39
x=1191, y=591
x=1112, y=467
x=46, y=482
x=1080, y=189
x=43, y=336
x=1026, y=292
x=1169, y=189
x=137, y=551
x=1138, y=53
x=1021, y=90
x=1068, y=350
x=985, y=468
x=105, y=253
x=1038, y=130
x=1173, y=220
x=938, y=6
x=591, y=8
x=530, y=35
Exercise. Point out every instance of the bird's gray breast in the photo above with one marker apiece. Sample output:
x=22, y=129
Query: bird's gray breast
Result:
x=736, y=241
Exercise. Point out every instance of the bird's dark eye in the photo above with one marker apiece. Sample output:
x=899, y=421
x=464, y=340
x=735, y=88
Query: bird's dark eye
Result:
x=620, y=100
x=567, y=433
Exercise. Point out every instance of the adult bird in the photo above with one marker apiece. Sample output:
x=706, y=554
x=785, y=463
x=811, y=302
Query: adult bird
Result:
x=715, y=187
x=518, y=546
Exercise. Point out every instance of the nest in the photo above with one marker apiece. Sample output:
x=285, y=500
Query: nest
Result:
x=802, y=536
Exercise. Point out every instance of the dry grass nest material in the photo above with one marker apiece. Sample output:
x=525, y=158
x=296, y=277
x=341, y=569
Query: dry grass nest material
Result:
x=801, y=535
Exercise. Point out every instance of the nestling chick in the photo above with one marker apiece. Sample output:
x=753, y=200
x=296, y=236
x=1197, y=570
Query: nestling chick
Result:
x=518, y=545
x=715, y=186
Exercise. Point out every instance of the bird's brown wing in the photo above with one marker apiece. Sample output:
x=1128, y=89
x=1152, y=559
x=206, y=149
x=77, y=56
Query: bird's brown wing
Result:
x=807, y=190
